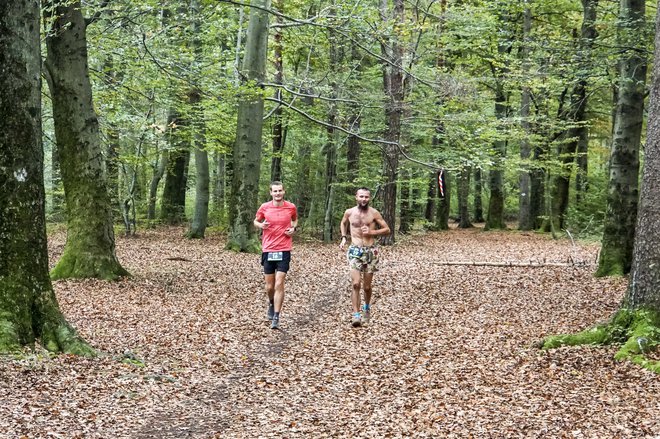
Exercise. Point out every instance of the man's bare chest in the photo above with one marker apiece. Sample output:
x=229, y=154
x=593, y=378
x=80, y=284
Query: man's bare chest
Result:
x=359, y=219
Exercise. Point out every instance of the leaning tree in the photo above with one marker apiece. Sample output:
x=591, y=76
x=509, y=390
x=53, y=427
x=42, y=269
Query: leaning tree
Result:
x=28, y=306
x=636, y=325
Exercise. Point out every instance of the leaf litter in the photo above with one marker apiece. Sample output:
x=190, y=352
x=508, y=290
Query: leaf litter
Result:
x=187, y=351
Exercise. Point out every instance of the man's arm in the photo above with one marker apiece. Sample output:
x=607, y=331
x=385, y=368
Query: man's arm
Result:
x=260, y=220
x=343, y=228
x=383, y=228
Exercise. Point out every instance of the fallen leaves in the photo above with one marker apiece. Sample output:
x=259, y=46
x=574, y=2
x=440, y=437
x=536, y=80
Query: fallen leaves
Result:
x=448, y=352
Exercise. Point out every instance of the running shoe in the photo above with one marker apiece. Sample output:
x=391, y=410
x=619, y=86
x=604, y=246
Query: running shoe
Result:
x=275, y=323
x=271, y=311
x=366, y=314
x=357, y=320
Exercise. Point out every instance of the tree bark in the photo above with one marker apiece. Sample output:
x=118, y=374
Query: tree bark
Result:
x=478, y=204
x=28, y=305
x=202, y=178
x=159, y=170
x=406, y=215
x=246, y=157
x=621, y=212
x=442, y=213
x=463, y=194
x=495, y=216
x=90, y=244
x=635, y=327
x=173, y=201
x=525, y=220
x=279, y=133
x=394, y=91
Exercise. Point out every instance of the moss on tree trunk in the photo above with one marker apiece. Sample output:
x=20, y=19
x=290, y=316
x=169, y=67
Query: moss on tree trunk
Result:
x=636, y=331
x=28, y=306
x=90, y=246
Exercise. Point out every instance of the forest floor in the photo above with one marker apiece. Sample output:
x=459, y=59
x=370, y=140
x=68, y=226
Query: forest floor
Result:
x=449, y=351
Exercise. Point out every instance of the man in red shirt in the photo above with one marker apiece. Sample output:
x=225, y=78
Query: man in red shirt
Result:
x=278, y=220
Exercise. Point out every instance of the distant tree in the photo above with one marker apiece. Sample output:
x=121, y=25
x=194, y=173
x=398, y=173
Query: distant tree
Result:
x=499, y=67
x=463, y=191
x=202, y=177
x=28, y=306
x=573, y=114
x=90, y=243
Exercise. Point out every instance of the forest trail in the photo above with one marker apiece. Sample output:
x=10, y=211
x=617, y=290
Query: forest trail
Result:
x=448, y=351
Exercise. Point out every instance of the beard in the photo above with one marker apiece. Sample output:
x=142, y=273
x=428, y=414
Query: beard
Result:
x=363, y=207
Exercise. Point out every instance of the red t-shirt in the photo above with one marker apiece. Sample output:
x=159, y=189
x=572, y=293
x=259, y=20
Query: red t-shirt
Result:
x=279, y=217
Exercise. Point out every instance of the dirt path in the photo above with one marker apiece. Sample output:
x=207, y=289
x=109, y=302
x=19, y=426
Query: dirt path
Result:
x=447, y=353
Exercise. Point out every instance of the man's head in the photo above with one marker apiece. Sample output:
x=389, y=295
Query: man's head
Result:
x=277, y=191
x=362, y=196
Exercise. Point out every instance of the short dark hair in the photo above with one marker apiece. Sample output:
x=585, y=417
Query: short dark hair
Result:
x=276, y=183
x=363, y=188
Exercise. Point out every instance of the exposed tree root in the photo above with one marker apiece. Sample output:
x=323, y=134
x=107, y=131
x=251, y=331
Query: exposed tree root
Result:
x=638, y=332
x=59, y=338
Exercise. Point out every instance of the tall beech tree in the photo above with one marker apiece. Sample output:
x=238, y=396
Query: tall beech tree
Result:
x=495, y=215
x=621, y=213
x=247, y=149
x=202, y=181
x=28, y=306
x=636, y=325
x=574, y=114
x=393, y=84
x=90, y=243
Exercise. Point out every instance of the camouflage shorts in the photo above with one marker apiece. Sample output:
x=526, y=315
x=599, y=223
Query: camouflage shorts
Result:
x=364, y=259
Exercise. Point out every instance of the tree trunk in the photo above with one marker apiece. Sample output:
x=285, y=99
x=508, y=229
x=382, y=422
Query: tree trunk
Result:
x=429, y=212
x=353, y=152
x=525, y=220
x=644, y=286
x=90, y=244
x=405, y=223
x=159, y=171
x=444, y=203
x=636, y=325
x=478, y=204
x=621, y=213
x=219, y=181
x=575, y=116
x=173, y=201
x=278, y=126
x=201, y=211
x=28, y=305
x=463, y=194
x=495, y=217
x=394, y=90
x=58, y=208
x=246, y=159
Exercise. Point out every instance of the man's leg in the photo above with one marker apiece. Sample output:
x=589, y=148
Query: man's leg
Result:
x=355, y=293
x=279, y=298
x=366, y=285
x=270, y=293
x=279, y=290
x=355, y=297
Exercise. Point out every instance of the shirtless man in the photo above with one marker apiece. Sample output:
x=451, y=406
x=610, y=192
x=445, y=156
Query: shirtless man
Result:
x=365, y=224
x=278, y=220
